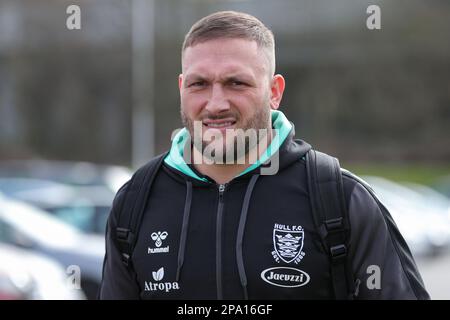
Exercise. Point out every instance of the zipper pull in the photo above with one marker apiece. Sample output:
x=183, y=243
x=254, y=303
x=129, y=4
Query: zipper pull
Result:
x=221, y=191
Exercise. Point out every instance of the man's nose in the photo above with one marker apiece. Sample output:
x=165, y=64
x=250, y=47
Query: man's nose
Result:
x=218, y=101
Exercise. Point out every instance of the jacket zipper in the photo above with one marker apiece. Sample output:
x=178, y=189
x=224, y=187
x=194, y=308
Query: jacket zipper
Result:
x=219, y=242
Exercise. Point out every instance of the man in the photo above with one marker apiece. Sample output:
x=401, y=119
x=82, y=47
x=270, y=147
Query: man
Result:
x=218, y=224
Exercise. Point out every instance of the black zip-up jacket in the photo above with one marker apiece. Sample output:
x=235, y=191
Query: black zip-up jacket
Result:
x=253, y=236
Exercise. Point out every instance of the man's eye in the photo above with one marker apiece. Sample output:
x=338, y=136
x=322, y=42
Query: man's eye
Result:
x=237, y=83
x=197, y=84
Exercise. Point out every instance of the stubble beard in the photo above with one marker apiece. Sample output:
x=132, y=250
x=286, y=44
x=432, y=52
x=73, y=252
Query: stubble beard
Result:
x=240, y=146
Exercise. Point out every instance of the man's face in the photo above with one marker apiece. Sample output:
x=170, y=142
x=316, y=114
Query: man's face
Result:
x=225, y=85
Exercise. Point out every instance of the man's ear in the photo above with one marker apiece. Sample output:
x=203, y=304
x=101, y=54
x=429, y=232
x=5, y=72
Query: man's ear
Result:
x=180, y=81
x=276, y=91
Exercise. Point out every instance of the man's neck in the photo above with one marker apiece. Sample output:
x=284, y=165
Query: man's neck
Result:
x=223, y=173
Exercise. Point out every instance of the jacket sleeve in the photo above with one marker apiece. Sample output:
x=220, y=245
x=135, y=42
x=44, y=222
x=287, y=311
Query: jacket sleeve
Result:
x=382, y=264
x=118, y=281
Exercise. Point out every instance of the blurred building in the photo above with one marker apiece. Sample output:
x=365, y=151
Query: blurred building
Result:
x=362, y=95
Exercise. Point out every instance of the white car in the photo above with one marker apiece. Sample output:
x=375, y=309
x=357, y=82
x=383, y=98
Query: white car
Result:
x=30, y=228
x=28, y=275
x=84, y=207
x=426, y=230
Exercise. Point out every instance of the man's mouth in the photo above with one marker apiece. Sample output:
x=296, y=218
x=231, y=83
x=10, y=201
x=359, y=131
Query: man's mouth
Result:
x=219, y=124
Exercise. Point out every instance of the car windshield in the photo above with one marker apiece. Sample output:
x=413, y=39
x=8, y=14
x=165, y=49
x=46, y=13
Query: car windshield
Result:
x=87, y=218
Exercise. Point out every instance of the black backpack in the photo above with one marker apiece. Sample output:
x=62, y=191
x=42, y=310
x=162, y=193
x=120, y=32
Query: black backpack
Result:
x=327, y=202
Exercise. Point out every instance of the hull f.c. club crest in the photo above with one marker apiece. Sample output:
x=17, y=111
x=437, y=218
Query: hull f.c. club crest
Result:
x=288, y=243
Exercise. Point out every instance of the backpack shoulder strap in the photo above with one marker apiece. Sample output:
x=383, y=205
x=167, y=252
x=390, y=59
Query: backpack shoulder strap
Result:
x=133, y=206
x=331, y=217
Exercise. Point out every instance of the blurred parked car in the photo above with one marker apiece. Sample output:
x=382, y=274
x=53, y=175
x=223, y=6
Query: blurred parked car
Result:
x=425, y=228
x=67, y=172
x=435, y=199
x=31, y=228
x=87, y=208
x=25, y=275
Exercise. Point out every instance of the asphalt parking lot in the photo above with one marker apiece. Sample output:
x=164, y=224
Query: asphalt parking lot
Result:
x=436, y=275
